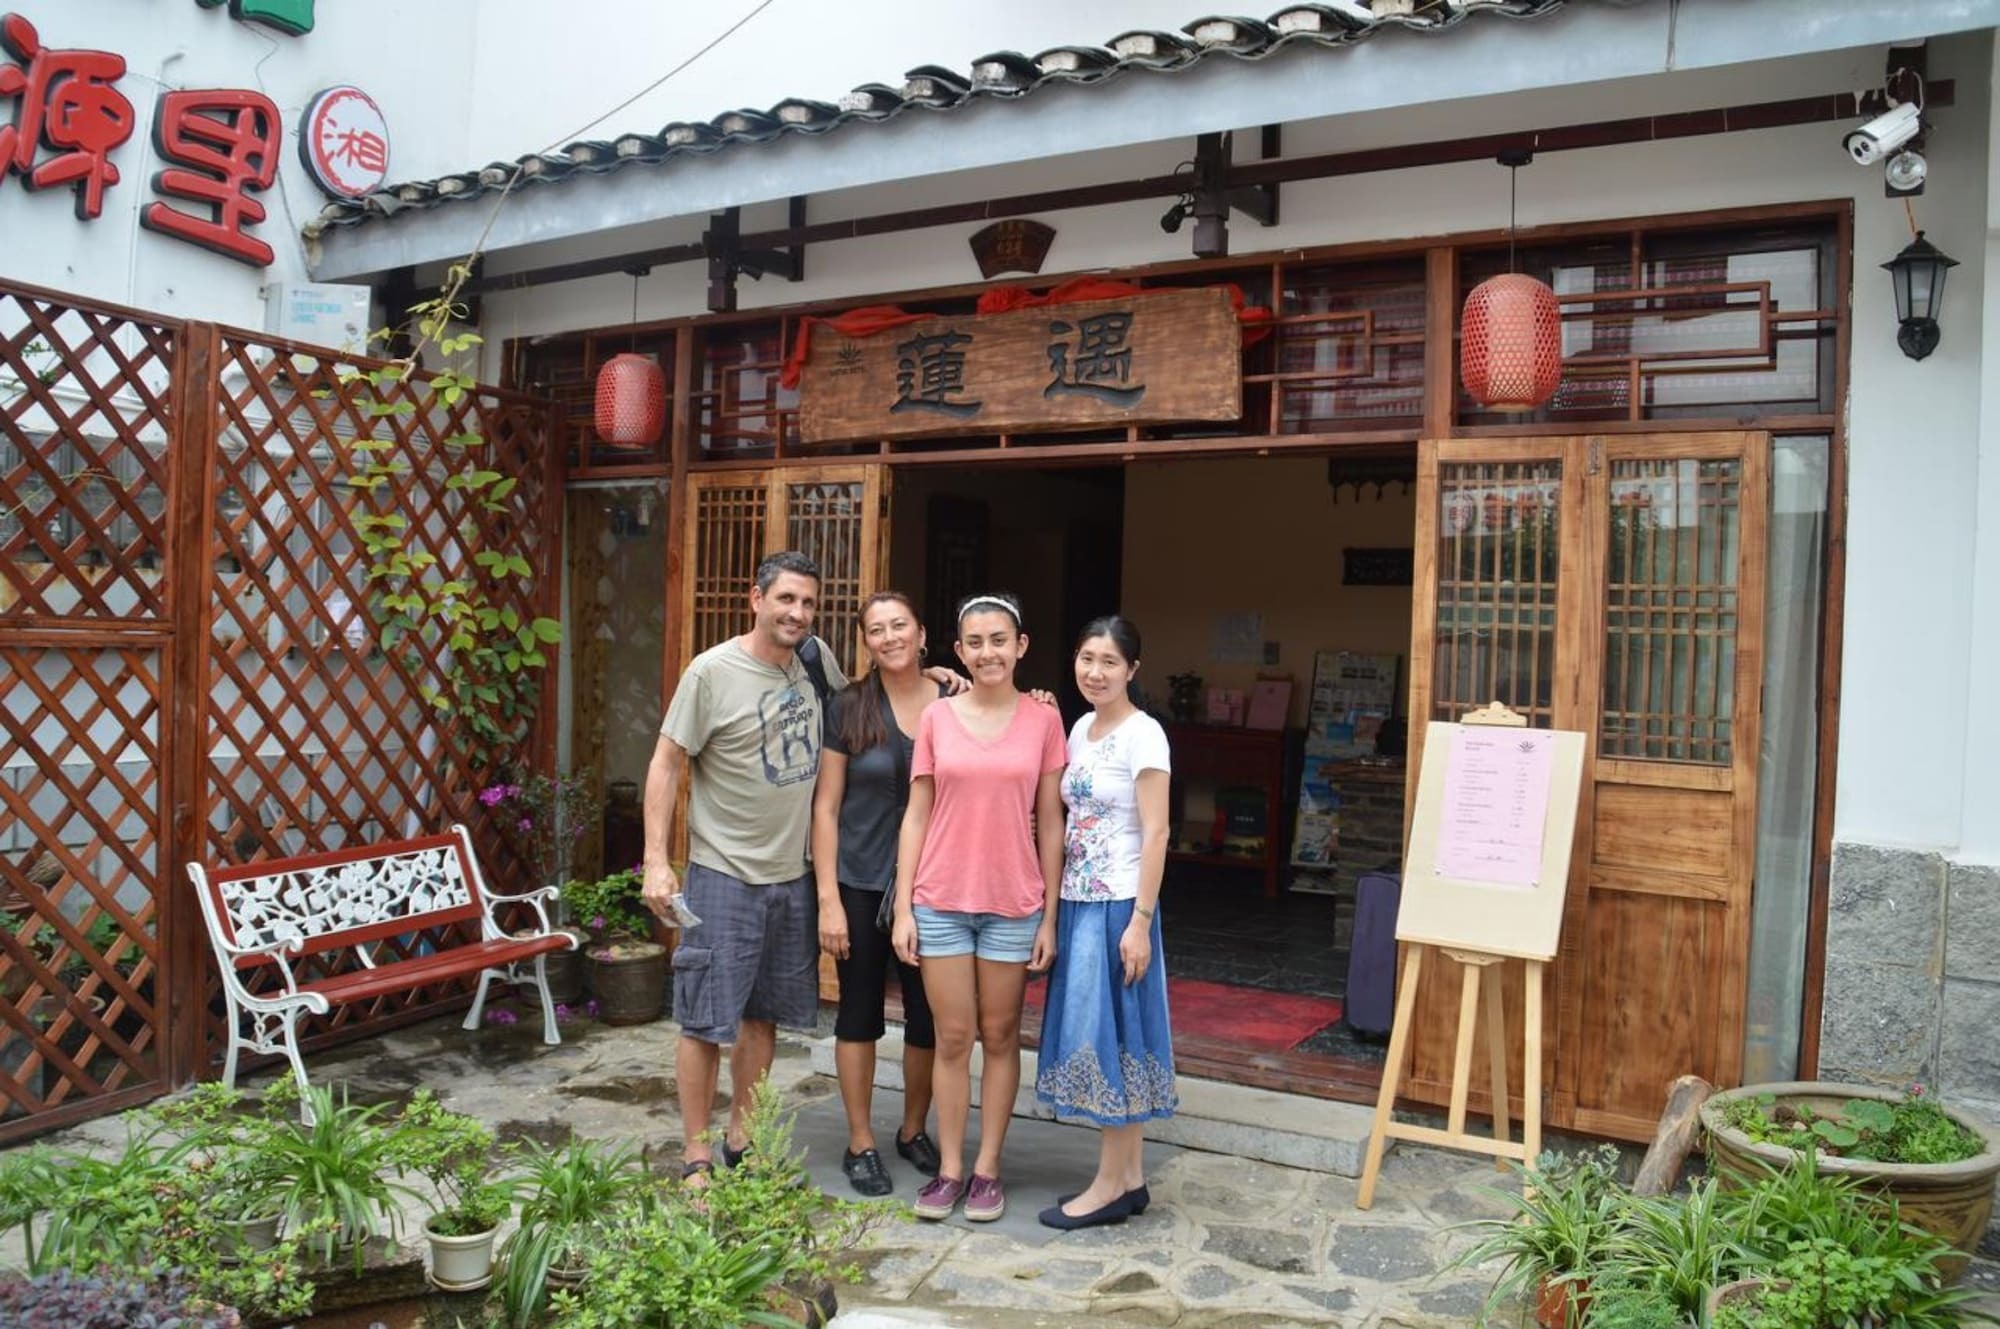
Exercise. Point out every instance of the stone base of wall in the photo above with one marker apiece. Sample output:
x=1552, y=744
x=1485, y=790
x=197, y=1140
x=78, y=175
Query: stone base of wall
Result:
x=1913, y=975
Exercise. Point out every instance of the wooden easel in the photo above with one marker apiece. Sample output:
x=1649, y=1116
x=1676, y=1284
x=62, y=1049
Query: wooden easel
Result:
x=1479, y=984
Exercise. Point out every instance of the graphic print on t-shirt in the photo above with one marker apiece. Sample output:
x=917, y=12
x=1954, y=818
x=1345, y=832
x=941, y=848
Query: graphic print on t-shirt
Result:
x=790, y=731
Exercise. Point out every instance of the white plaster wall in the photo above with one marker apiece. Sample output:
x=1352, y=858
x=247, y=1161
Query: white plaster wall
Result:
x=1980, y=822
x=1915, y=428
x=378, y=45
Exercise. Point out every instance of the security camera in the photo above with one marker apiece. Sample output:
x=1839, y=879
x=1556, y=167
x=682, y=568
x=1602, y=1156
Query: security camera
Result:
x=1884, y=134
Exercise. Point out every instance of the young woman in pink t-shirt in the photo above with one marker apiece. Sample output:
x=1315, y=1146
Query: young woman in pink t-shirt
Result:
x=976, y=889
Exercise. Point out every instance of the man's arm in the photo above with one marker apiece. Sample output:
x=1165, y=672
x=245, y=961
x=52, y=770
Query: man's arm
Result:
x=663, y=785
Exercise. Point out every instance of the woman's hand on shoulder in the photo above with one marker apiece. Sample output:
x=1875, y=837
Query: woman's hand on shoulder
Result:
x=950, y=680
x=1042, y=695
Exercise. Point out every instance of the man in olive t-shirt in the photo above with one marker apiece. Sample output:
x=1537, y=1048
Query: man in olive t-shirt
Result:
x=745, y=728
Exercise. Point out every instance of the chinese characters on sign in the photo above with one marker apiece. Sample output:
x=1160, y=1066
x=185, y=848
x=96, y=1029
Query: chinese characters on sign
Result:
x=1146, y=359
x=1101, y=353
x=930, y=375
x=345, y=143
x=65, y=102
x=225, y=144
x=219, y=146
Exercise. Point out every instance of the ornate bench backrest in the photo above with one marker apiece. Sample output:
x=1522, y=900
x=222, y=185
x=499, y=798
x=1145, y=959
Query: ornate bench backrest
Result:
x=348, y=896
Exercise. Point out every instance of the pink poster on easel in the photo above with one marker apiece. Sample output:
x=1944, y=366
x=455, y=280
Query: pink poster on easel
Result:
x=1496, y=806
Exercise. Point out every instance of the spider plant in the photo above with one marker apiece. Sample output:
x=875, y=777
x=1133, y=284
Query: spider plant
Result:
x=334, y=1172
x=1679, y=1247
x=564, y=1194
x=1565, y=1218
x=101, y=1209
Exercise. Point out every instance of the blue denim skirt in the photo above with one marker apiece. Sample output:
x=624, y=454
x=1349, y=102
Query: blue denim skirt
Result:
x=1107, y=1053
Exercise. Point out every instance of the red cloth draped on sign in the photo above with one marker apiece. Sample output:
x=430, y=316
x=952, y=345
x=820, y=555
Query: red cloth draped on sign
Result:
x=871, y=319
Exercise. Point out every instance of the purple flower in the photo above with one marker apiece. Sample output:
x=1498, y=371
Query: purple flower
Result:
x=597, y=922
x=562, y=1011
x=499, y=1016
x=525, y=824
x=590, y=1008
x=492, y=794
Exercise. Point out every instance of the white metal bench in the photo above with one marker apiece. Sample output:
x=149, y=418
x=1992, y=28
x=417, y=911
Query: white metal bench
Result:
x=262, y=914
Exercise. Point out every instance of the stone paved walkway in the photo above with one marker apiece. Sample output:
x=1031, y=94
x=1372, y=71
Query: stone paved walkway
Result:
x=1227, y=1242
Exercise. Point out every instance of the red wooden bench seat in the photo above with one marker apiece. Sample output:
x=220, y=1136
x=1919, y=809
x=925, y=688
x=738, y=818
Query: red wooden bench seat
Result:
x=264, y=914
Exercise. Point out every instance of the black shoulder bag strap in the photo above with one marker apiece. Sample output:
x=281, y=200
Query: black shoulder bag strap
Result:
x=885, y=913
x=816, y=671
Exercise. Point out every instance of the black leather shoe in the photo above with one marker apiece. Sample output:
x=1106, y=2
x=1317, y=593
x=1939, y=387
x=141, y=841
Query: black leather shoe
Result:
x=919, y=1152
x=1140, y=1198
x=1117, y=1211
x=866, y=1173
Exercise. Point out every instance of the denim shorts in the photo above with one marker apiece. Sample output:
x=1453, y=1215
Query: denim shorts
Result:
x=946, y=932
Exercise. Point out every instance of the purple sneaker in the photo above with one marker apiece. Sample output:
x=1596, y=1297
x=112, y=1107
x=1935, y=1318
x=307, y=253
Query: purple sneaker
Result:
x=985, y=1199
x=939, y=1197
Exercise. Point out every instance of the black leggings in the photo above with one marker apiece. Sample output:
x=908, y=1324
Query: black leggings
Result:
x=864, y=976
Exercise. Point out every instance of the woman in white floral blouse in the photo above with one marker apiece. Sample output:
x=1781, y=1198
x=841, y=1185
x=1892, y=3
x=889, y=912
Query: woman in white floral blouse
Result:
x=1107, y=1050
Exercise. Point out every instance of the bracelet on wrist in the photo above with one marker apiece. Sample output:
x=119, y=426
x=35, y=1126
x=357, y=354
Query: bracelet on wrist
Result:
x=1143, y=912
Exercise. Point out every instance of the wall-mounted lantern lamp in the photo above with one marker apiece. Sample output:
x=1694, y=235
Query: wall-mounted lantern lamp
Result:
x=1918, y=274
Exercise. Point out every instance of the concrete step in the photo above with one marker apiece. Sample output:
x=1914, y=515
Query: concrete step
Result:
x=1288, y=1129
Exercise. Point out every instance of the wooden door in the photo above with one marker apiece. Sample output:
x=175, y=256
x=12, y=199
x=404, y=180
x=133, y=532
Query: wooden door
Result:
x=1613, y=585
x=835, y=515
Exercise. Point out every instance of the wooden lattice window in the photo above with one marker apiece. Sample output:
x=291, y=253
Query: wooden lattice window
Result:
x=1665, y=325
x=564, y=370
x=1670, y=609
x=1497, y=565
x=1350, y=347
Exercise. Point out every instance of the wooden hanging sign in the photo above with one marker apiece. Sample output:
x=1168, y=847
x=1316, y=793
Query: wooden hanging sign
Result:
x=1145, y=359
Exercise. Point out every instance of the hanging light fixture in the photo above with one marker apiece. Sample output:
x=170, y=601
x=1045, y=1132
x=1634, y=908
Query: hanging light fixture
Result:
x=1510, y=348
x=631, y=394
x=1918, y=277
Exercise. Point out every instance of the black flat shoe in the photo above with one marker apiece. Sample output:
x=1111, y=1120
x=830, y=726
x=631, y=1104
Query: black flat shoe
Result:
x=866, y=1173
x=919, y=1152
x=1140, y=1198
x=1117, y=1211
x=733, y=1157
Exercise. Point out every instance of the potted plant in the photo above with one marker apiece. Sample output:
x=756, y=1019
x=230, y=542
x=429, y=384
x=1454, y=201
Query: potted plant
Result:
x=1565, y=1218
x=242, y=1192
x=331, y=1174
x=628, y=970
x=565, y=1194
x=1937, y=1162
x=1821, y=1284
x=453, y=1152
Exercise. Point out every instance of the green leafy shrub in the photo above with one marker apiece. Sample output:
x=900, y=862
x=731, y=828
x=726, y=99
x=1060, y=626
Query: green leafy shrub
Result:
x=1913, y=1129
x=610, y=907
x=454, y=1153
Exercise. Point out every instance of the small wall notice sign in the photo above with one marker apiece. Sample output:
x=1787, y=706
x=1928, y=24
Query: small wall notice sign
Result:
x=1496, y=804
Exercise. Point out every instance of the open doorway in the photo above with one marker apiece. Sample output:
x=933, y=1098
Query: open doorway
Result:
x=1261, y=576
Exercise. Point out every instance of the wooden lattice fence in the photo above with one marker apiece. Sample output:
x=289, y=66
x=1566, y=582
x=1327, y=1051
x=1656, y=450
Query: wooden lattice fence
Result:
x=189, y=666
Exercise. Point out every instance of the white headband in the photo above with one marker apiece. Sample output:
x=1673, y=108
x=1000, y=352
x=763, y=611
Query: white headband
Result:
x=998, y=602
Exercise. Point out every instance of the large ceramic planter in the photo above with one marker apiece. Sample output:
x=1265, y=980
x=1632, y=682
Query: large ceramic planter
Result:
x=461, y=1264
x=1953, y=1200
x=630, y=980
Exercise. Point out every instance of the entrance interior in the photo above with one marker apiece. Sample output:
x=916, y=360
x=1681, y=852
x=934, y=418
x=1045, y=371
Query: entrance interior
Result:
x=1246, y=573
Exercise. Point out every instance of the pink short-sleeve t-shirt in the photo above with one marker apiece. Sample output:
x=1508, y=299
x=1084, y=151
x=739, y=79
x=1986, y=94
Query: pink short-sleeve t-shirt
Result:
x=979, y=851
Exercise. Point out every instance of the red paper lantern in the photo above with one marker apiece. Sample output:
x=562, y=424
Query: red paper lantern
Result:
x=1510, y=354
x=631, y=401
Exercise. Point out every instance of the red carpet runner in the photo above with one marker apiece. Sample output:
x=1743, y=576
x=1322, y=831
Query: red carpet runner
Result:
x=1252, y=1018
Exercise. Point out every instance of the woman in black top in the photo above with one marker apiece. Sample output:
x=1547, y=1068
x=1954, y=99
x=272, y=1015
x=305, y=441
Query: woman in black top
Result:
x=864, y=783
